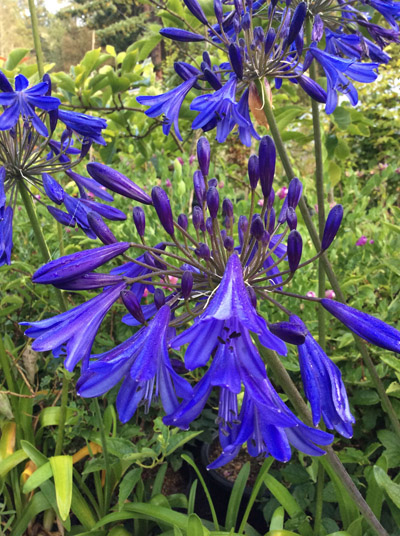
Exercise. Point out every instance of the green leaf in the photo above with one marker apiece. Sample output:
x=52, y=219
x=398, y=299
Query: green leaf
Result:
x=12, y=461
x=37, y=504
x=392, y=227
x=384, y=482
x=82, y=510
x=62, y=472
x=342, y=117
x=178, y=440
x=15, y=57
x=236, y=496
x=195, y=526
x=334, y=173
x=37, y=478
x=127, y=485
x=34, y=454
x=277, y=519
x=146, y=45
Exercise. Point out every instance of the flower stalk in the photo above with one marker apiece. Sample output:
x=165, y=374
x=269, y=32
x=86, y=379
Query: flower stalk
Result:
x=387, y=405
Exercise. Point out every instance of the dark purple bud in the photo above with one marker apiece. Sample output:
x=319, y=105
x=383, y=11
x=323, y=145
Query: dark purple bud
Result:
x=163, y=208
x=100, y=229
x=218, y=11
x=294, y=192
x=157, y=259
x=65, y=136
x=90, y=281
x=185, y=71
x=288, y=2
x=199, y=187
x=197, y=218
x=86, y=144
x=258, y=35
x=206, y=58
x=223, y=234
x=47, y=80
x=76, y=264
x=227, y=208
x=196, y=10
x=332, y=225
x=236, y=24
x=148, y=259
x=266, y=162
x=176, y=34
x=318, y=28
x=159, y=298
x=253, y=296
x=53, y=190
x=212, y=79
x=62, y=217
x=203, y=251
x=117, y=182
x=291, y=218
x=314, y=90
x=209, y=226
x=178, y=366
x=246, y=22
x=213, y=183
x=266, y=237
x=271, y=199
x=238, y=6
x=294, y=249
x=242, y=228
x=139, y=220
x=203, y=155
x=235, y=58
x=213, y=202
x=257, y=227
x=253, y=170
x=229, y=243
x=296, y=25
x=271, y=225
x=131, y=302
x=269, y=41
x=289, y=332
x=53, y=119
x=183, y=221
x=282, y=214
x=186, y=284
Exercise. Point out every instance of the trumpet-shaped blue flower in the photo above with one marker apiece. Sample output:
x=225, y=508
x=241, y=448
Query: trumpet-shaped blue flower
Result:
x=143, y=362
x=87, y=126
x=23, y=101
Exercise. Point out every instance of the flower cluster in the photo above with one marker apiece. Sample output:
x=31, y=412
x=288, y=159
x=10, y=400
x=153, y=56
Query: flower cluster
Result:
x=223, y=276
x=273, y=42
x=30, y=155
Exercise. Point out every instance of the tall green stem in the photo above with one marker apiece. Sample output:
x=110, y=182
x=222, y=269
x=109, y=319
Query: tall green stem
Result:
x=36, y=37
x=387, y=405
x=103, y=439
x=5, y=367
x=285, y=381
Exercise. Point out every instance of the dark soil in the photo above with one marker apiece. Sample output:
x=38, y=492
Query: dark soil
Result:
x=174, y=482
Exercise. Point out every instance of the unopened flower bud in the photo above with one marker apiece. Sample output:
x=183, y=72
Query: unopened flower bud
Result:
x=100, y=229
x=291, y=218
x=186, y=284
x=163, y=208
x=183, y=221
x=257, y=228
x=213, y=183
x=229, y=243
x=266, y=161
x=294, y=249
x=183, y=36
x=203, y=155
x=294, y=192
x=206, y=58
x=159, y=298
x=139, y=220
x=131, y=302
x=271, y=199
x=213, y=202
x=271, y=224
x=246, y=22
x=253, y=296
x=269, y=41
x=212, y=79
x=332, y=225
x=54, y=191
x=235, y=58
x=258, y=35
x=227, y=208
x=203, y=251
x=199, y=186
x=296, y=25
x=196, y=10
x=218, y=11
x=242, y=228
x=254, y=171
x=289, y=332
x=197, y=218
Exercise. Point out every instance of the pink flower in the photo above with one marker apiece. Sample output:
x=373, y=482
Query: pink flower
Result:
x=362, y=241
x=311, y=294
x=38, y=196
x=145, y=293
x=330, y=294
x=180, y=160
x=333, y=204
x=192, y=158
x=168, y=183
x=316, y=208
x=382, y=166
x=19, y=209
x=371, y=241
x=282, y=192
x=173, y=280
x=221, y=184
x=260, y=202
x=90, y=194
x=67, y=229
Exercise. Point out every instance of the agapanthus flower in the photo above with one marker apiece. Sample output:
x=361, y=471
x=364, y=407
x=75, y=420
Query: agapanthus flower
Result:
x=206, y=284
x=271, y=53
x=31, y=158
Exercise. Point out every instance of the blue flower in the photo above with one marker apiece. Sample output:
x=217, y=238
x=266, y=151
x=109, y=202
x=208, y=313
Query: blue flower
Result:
x=144, y=363
x=323, y=385
x=168, y=104
x=23, y=101
x=88, y=126
x=77, y=327
x=6, y=243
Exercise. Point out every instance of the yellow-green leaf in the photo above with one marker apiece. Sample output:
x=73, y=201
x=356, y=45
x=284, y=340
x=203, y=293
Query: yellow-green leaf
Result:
x=62, y=472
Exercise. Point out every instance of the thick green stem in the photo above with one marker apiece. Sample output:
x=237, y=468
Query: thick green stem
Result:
x=36, y=37
x=387, y=405
x=285, y=381
x=103, y=439
x=319, y=499
x=63, y=416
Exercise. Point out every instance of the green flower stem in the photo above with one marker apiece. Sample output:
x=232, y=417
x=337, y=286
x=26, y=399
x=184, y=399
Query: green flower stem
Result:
x=319, y=499
x=387, y=405
x=285, y=381
x=63, y=415
x=36, y=37
x=103, y=439
x=5, y=367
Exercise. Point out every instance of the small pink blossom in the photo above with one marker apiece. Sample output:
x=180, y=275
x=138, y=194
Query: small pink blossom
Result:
x=330, y=294
x=180, y=160
x=333, y=204
x=260, y=202
x=68, y=229
x=282, y=192
x=145, y=293
x=38, y=196
x=221, y=184
x=168, y=183
x=311, y=294
x=90, y=194
x=362, y=241
x=173, y=280
x=316, y=208
x=192, y=158
x=19, y=209
x=382, y=166
x=371, y=241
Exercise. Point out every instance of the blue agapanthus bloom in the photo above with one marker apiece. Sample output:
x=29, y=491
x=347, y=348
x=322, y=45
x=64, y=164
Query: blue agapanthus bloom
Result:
x=211, y=314
x=36, y=167
x=272, y=53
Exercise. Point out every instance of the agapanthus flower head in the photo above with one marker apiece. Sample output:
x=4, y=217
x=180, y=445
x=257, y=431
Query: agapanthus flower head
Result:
x=272, y=53
x=206, y=284
x=33, y=159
